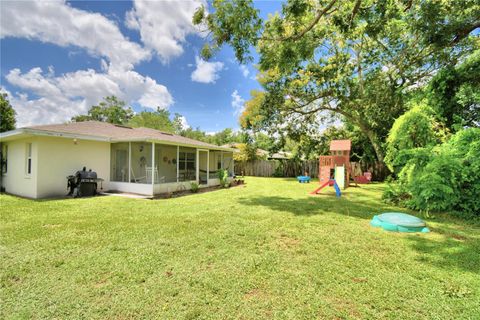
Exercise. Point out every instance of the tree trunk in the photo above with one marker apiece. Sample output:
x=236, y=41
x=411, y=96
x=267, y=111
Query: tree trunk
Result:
x=376, y=145
x=373, y=139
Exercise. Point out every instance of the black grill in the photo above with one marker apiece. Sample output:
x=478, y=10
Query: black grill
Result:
x=83, y=183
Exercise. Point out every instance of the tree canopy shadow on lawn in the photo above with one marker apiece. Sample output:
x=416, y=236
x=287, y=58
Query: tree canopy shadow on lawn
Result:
x=317, y=205
x=451, y=250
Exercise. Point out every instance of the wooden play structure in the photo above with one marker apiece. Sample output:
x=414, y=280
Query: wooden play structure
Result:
x=336, y=169
x=337, y=164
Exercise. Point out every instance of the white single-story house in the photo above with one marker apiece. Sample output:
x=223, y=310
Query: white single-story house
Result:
x=143, y=161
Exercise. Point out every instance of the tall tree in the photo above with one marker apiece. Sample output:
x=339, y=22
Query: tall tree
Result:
x=159, y=120
x=355, y=59
x=111, y=110
x=454, y=93
x=7, y=114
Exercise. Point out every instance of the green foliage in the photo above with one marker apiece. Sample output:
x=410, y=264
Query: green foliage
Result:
x=443, y=178
x=264, y=141
x=232, y=22
x=279, y=170
x=7, y=114
x=342, y=58
x=194, y=187
x=223, y=177
x=417, y=128
x=109, y=110
x=159, y=120
x=246, y=152
x=454, y=93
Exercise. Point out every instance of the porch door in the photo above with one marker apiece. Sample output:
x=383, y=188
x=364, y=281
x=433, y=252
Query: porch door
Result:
x=121, y=173
x=203, y=166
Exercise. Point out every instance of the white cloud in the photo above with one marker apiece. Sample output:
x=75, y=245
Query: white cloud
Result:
x=237, y=103
x=244, y=70
x=184, y=123
x=58, y=98
x=56, y=22
x=55, y=109
x=206, y=72
x=163, y=25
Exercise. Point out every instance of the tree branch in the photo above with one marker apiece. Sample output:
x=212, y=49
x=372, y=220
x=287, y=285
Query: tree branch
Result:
x=463, y=33
x=408, y=5
x=314, y=22
x=299, y=35
x=355, y=10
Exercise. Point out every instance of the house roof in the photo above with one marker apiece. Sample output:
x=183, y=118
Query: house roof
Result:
x=340, y=145
x=95, y=130
x=281, y=155
x=235, y=145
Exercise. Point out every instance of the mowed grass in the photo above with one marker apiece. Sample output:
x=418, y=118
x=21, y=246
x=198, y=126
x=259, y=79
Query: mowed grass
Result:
x=266, y=250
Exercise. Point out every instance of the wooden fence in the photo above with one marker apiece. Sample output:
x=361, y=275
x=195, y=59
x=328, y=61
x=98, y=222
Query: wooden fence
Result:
x=293, y=168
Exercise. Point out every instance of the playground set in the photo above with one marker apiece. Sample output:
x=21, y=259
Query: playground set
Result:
x=335, y=169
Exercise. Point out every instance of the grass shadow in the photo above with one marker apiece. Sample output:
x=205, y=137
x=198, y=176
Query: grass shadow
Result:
x=452, y=250
x=452, y=245
x=314, y=205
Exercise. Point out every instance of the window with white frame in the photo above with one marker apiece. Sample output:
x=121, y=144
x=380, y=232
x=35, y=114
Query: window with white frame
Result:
x=28, y=159
x=187, y=164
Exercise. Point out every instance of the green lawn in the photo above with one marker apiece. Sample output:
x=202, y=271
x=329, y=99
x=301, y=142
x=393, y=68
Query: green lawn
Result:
x=266, y=250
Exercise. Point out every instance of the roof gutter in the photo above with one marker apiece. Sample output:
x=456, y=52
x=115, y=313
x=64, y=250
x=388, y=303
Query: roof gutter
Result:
x=46, y=133
x=188, y=145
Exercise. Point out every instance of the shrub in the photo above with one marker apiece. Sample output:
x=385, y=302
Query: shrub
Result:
x=223, y=176
x=416, y=128
x=395, y=194
x=279, y=170
x=442, y=178
x=194, y=187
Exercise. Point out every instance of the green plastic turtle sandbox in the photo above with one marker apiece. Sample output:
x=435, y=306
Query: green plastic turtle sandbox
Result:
x=399, y=222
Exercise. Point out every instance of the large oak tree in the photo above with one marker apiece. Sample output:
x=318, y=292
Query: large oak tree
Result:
x=357, y=59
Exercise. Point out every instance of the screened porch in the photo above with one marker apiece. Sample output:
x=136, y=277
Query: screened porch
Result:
x=150, y=168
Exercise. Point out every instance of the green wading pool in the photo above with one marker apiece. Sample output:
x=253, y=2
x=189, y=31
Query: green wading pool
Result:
x=400, y=222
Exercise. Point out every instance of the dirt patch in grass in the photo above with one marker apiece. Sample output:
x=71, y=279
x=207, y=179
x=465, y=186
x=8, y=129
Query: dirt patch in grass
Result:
x=287, y=242
x=344, y=306
x=255, y=294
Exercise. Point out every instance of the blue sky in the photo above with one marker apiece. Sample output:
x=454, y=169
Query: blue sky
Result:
x=58, y=58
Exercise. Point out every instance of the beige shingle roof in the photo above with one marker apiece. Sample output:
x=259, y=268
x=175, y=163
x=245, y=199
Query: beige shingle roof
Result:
x=119, y=133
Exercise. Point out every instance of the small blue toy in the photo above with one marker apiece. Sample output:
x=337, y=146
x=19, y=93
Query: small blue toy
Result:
x=303, y=179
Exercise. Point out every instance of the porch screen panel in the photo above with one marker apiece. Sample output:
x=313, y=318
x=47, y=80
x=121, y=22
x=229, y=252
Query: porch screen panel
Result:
x=187, y=164
x=141, y=159
x=119, y=162
x=215, y=164
x=166, y=162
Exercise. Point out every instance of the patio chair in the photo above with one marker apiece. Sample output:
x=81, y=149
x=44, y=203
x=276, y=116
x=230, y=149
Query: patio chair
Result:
x=148, y=175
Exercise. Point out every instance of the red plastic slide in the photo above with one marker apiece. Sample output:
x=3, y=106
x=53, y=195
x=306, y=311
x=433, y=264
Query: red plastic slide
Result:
x=321, y=187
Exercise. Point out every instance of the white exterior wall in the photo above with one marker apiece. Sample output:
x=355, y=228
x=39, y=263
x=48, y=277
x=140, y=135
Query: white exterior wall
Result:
x=16, y=181
x=60, y=157
x=54, y=158
x=137, y=188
